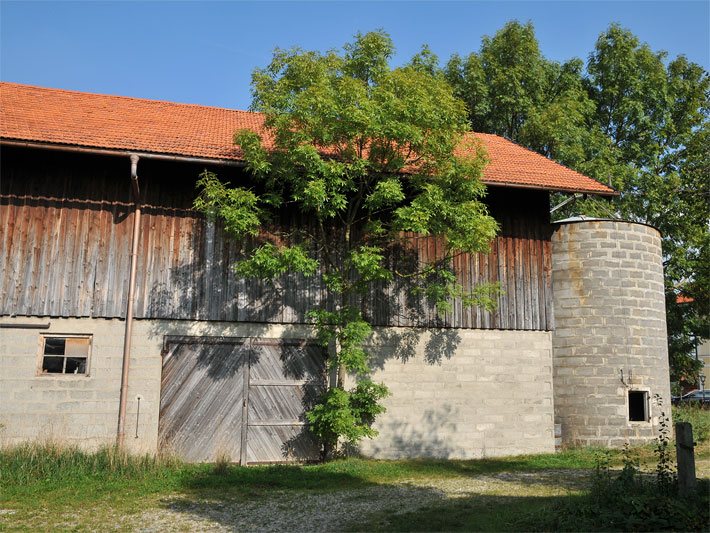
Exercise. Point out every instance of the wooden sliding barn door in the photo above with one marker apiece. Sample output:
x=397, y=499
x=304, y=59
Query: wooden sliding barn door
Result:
x=202, y=397
x=285, y=378
x=239, y=398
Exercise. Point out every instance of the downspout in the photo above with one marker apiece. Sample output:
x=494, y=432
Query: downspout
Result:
x=123, y=400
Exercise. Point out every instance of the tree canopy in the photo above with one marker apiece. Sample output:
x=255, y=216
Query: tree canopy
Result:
x=365, y=154
x=633, y=119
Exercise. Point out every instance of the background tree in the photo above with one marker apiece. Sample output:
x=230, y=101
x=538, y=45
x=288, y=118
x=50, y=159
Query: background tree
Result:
x=504, y=82
x=365, y=153
x=655, y=114
x=632, y=119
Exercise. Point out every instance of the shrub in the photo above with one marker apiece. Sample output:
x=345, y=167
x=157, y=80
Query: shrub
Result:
x=346, y=414
x=630, y=500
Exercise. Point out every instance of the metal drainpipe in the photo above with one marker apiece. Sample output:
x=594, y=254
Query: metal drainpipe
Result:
x=121, y=433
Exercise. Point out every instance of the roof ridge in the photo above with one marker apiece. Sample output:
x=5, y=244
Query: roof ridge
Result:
x=134, y=98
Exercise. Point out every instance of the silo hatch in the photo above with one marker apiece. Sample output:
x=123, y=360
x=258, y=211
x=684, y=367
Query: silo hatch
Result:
x=638, y=406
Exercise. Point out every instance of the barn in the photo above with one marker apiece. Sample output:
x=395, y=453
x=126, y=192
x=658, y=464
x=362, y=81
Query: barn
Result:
x=120, y=317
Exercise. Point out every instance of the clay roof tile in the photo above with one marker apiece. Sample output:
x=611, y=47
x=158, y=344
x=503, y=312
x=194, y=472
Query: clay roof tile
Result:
x=38, y=114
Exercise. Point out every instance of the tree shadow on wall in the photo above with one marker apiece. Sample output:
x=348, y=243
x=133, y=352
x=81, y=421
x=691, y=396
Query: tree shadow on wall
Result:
x=229, y=309
x=429, y=437
x=303, y=445
x=402, y=343
x=208, y=290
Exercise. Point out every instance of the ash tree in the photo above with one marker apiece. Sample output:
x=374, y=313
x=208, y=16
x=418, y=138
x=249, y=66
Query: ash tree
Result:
x=367, y=155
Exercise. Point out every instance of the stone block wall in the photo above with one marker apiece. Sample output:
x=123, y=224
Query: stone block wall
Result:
x=610, y=330
x=63, y=408
x=456, y=393
x=83, y=410
x=463, y=393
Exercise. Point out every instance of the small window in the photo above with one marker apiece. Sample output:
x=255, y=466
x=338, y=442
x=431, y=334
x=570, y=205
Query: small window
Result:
x=65, y=354
x=638, y=406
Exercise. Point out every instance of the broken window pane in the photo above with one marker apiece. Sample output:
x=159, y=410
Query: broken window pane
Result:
x=54, y=346
x=75, y=365
x=53, y=365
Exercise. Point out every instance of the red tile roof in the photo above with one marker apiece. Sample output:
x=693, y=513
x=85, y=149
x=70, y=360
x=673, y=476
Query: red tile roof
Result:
x=38, y=114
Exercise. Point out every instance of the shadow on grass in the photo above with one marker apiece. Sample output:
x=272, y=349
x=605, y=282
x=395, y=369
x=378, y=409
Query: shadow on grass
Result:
x=479, y=512
x=317, y=501
x=391, y=470
x=256, y=479
x=354, y=473
x=356, y=494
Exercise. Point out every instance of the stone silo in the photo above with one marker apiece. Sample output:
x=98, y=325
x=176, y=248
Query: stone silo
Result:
x=610, y=352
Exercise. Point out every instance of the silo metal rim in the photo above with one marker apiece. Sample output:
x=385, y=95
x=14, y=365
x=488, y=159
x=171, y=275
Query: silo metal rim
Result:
x=574, y=220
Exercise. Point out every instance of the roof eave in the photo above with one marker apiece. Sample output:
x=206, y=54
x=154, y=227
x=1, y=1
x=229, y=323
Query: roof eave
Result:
x=570, y=190
x=125, y=152
x=121, y=152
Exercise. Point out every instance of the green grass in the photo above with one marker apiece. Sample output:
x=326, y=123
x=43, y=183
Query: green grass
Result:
x=697, y=416
x=474, y=513
x=44, y=484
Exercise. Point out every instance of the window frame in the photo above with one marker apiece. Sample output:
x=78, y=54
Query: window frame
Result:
x=41, y=355
x=647, y=405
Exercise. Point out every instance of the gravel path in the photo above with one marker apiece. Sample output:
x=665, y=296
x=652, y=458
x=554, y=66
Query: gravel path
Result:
x=334, y=511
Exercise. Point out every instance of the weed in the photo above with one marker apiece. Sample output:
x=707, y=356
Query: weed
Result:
x=629, y=500
x=698, y=417
x=666, y=481
x=221, y=465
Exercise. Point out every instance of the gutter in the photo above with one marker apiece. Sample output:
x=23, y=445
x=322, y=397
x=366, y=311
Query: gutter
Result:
x=548, y=188
x=123, y=398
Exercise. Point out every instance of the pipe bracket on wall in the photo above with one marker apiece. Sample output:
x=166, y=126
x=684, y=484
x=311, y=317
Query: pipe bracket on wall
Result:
x=24, y=325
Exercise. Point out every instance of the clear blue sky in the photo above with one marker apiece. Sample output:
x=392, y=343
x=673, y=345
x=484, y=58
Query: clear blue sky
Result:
x=204, y=52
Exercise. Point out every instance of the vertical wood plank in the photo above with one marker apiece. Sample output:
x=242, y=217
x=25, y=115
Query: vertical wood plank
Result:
x=245, y=404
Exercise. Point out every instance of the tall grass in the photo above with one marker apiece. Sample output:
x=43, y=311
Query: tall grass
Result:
x=697, y=416
x=52, y=462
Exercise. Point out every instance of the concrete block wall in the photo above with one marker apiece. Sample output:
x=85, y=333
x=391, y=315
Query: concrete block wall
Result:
x=64, y=408
x=83, y=410
x=463, y=394
x=456, y=393
x=610, y=330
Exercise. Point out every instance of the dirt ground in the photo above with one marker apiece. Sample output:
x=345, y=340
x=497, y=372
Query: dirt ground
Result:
x=334, y=511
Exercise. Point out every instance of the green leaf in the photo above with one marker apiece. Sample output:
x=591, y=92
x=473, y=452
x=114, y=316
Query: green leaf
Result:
x=269, y=261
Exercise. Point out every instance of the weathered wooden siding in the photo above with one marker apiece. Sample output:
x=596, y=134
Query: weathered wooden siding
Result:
x=239, y=398
x=65, y=236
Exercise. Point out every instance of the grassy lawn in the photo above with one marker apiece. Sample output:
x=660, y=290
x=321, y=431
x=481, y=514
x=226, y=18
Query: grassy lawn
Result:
x=48, y=488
